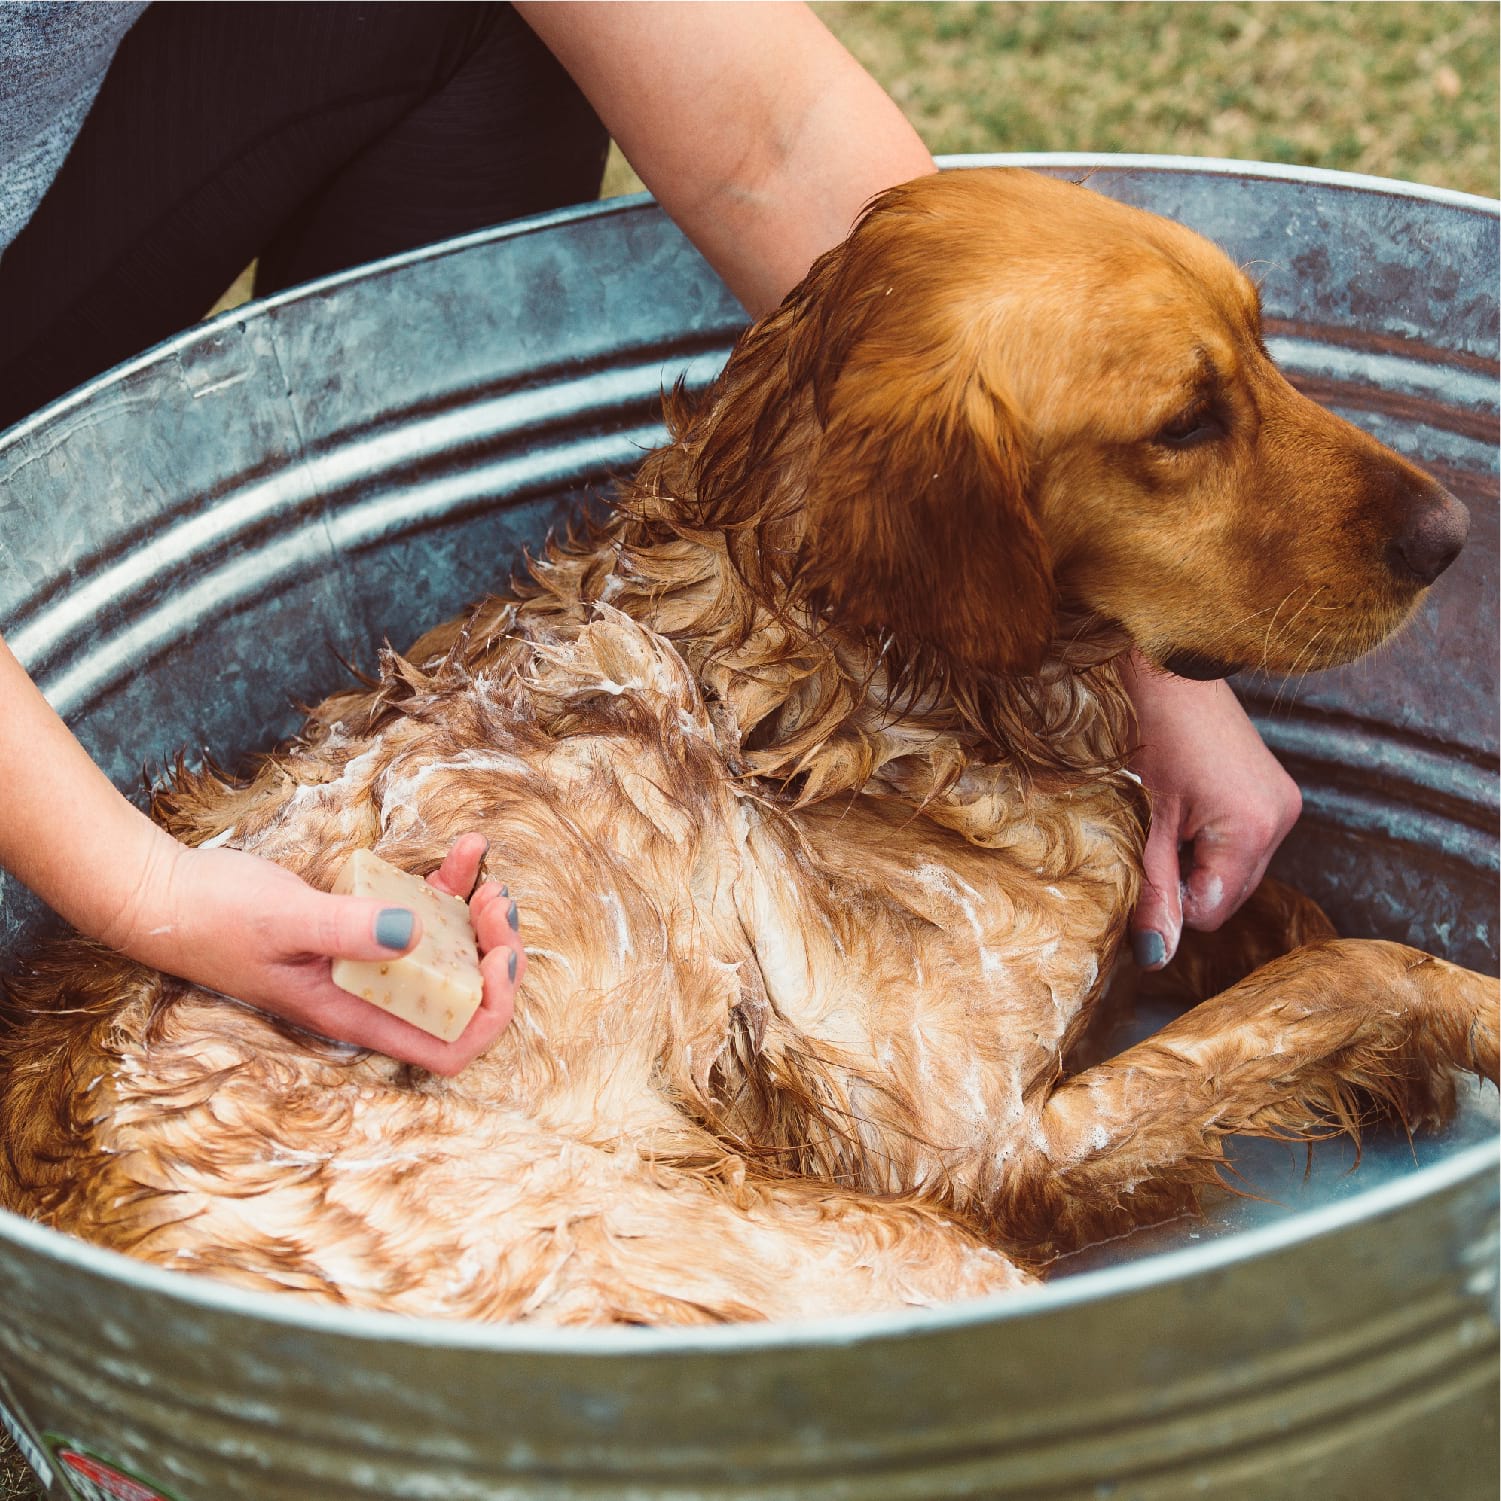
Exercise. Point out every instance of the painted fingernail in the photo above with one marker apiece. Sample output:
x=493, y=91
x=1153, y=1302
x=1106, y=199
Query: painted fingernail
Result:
x=505, y=891
x=513, y=918
x=393, y=928
x=1149, y=948
x=511, y=966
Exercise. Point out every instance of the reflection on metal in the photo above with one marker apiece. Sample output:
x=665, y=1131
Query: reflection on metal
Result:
x=356, y=460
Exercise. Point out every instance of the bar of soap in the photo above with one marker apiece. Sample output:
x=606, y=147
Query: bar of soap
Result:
x=437, y=986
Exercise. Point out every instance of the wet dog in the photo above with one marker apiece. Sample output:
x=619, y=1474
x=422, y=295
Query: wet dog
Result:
x=808, y=772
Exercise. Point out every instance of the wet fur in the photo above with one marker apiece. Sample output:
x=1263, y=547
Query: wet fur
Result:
x=807, y=772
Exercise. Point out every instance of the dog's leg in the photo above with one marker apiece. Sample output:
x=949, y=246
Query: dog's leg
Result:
x=1296, y=1050
x=1272, y=921
x=754, y=1250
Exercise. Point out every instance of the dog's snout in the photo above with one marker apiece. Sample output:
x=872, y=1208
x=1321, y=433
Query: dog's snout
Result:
x=1430, y=539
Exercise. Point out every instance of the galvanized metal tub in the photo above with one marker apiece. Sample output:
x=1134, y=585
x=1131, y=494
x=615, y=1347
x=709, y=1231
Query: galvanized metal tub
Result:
x=187, y=544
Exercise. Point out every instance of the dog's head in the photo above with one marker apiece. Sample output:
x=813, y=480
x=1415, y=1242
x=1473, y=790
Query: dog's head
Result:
x=1003, y=394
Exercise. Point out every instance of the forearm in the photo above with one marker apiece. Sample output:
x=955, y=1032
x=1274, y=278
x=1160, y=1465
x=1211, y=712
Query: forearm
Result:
x=65, y=831
x=222, y=918
x=756, y=130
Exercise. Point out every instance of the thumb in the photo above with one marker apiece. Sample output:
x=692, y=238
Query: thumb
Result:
x=350, y=927
x=1157, y=922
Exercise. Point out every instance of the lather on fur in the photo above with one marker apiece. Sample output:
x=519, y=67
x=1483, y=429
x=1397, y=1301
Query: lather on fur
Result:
x=807, y=772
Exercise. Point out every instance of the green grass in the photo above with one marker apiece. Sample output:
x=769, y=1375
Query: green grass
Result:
x=1402, y=89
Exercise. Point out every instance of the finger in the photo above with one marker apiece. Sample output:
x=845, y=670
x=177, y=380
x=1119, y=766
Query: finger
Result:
x=1157, y=922
x=1225, y=872
x=1229, y=865
x=461, y=866
x=348, y=927
x=335, y=1013
x=497, y=922
x=502, y=970
x=478, y=1037
x=503, y=958
x=501, y=973
x=449, y=1058
x=485, y=896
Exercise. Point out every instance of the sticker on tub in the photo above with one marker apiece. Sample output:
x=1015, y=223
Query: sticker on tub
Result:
x=92, y=1478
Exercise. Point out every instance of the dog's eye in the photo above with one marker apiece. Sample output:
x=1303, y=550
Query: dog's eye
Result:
x=1198, y=424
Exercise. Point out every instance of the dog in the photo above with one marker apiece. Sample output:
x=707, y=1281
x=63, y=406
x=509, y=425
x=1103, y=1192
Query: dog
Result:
x=808, y=768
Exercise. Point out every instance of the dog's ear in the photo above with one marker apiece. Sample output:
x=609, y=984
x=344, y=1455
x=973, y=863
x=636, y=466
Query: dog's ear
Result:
x=918, y=521
x=861, y=450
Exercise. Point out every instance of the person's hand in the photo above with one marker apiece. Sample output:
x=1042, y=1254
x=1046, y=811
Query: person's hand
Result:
x=252, y=930
x=1217, y=790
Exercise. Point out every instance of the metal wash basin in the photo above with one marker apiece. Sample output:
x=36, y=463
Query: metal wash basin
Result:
x=189, y=543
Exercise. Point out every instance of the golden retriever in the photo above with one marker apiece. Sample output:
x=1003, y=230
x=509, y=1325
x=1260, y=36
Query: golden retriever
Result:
x=808, y=770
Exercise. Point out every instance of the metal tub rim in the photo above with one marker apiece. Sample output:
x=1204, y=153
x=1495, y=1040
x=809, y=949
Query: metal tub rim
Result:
x=1224, y=166
x=1056, y=161
x=1480, y=1161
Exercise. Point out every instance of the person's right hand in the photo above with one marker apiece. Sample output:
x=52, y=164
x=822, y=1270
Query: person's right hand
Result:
x=1217, y=793
x=252, y=930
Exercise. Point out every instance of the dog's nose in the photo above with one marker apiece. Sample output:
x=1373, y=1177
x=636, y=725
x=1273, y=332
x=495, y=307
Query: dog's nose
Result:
x=1430, y=540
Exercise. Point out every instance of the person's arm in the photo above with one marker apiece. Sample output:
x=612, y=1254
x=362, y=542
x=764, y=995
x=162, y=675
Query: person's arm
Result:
x=754, y=128
x=221, y=918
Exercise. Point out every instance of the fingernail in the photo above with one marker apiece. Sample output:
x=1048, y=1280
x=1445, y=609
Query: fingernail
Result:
x=393, y=928
x=505, y=891
x=512, y=917
x=1149, y=948
x=511, y=966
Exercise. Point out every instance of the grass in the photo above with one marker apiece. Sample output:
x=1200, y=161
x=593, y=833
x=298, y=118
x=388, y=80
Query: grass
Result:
x=1394, y=88
x=1401, y=89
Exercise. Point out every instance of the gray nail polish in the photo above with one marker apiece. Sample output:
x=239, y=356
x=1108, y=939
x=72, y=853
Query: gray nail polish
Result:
x=1149, y=947
x=511, y=966
x=505, y=891
x=512, y=918
x=393, y=928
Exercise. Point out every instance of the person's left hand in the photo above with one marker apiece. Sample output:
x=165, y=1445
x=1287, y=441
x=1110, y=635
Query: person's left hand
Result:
x=248, y=928
x=1217, y=790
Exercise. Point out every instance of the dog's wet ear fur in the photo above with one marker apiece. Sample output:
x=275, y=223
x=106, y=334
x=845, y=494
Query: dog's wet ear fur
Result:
x=919, y=527
x=861, y=452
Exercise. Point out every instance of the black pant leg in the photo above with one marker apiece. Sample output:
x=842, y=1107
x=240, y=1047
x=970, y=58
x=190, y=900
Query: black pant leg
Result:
x=508, y=134
x=320, y=135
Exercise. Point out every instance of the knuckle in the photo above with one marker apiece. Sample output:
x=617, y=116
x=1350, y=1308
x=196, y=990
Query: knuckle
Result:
x=330, y=929
x=1292, y=803
x=1262, y=829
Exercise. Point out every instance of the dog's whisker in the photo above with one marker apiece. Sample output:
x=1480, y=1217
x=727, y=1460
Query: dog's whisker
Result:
x=1266, y=640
